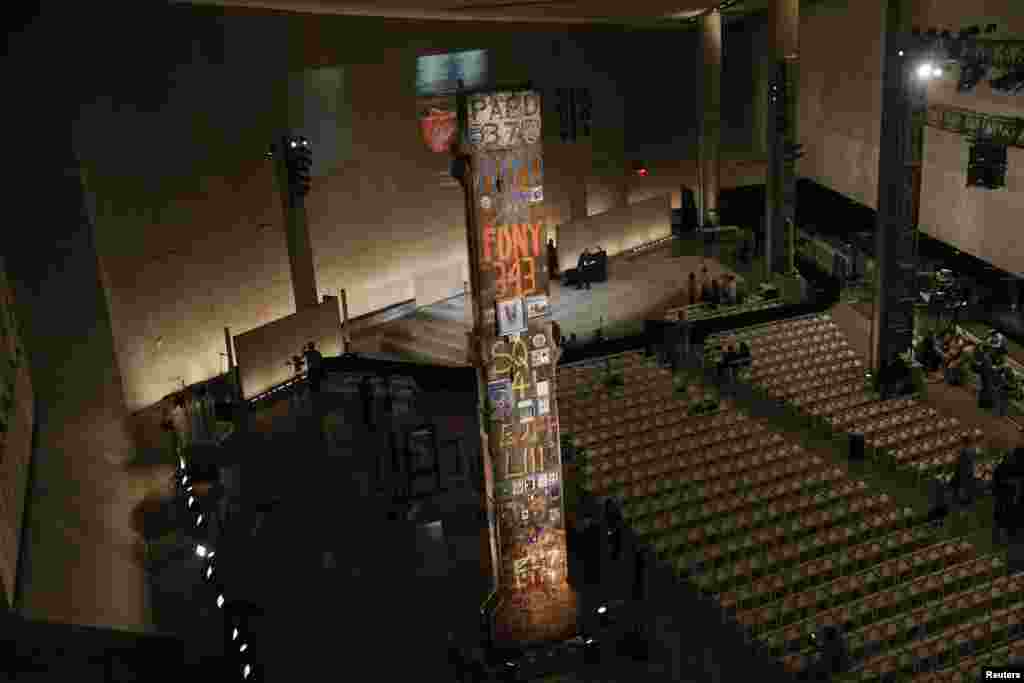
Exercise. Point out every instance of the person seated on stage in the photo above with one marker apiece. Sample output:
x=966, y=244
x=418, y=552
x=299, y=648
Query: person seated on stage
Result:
x=583, y=269
x=574, y=276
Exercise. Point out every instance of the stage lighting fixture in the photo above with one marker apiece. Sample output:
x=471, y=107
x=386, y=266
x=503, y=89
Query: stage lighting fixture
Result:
x=203, y=551
x=190, y=502
x=181, y=463
x=209, y=572
x=243, y=647
x=602, y=609
x=220, y=600
x=199, y=520
x=246, y=671
x=234, y=634
x=184, y=479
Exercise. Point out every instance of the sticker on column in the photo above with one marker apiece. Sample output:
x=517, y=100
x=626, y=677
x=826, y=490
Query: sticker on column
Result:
x=543, y=406
x=540, y=357
x=539, y=341
x=543, y=389
x=536, y=195
x=536, y=306
x=485, y=202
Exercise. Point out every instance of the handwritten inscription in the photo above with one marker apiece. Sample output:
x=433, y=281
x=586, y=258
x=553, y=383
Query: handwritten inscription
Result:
x=504, y=120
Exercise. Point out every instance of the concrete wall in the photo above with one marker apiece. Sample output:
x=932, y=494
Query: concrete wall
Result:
x=83, y=556
x=17, y=414
x=189, y=222
x=840, y=109
x=264, y=353
x=616, y=230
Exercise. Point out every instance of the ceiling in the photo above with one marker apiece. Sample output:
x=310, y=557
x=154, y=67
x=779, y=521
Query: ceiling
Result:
x=619, y=12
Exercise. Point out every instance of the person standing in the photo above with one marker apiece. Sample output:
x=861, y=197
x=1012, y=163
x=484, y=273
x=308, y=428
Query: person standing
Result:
x=315, y=364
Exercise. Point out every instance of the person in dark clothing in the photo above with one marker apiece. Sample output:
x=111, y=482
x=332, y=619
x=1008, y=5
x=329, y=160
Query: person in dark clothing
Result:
x=582, y=270
x=315, y=363
x=693, y=289
x=928, y=355
x=552, y=258
x=705, y=284
x=1008, y=488
x=716, y=292
x=834, y=654
x=573, y=340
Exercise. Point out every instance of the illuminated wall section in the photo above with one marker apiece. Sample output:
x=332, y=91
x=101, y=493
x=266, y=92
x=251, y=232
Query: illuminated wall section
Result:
x=507, y=192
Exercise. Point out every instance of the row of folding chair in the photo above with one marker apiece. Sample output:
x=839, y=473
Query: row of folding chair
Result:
x=937, y=443
x=728, y=456
x=796, y=363
x=825, y=556
x=939, y=429
x=679, y=468
x=688, y=514
x=944, y=649
x=639, y=420
x=849, y=419
x=810, y=397
x=848, y=588
x=784, y=384
x=775, y=329
x=825, y=553
x=848, y=377
x=892, y=590
x=894, y=615
x=626, y=409
x=773, y=354
x=826, y=409
x=855, y=510
x=969, y=669
x=687, y=433
x=767, y=328
x=674, y=442
x=779, y=339
x=767, y=360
